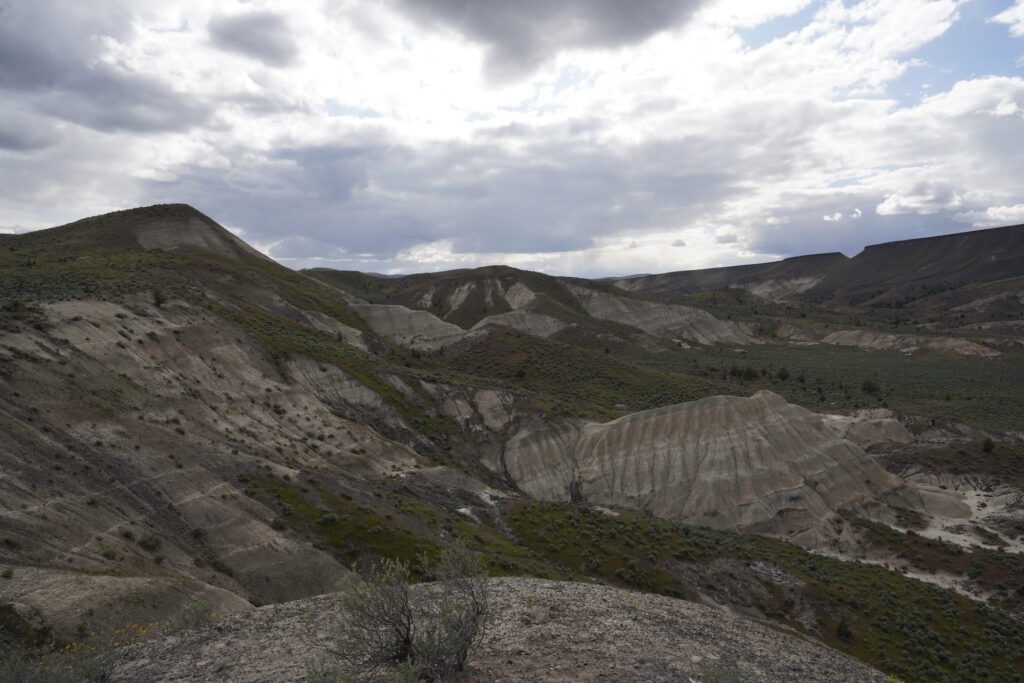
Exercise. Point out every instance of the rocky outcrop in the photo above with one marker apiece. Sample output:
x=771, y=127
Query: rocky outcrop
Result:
x=186, y=228
x=882, y=341
x=536, y=324
x=407, y=327
x=539, y=630
x=908, y=343
x=783, y=289
x=869, y=427
x=669, y=321
x=757, y=464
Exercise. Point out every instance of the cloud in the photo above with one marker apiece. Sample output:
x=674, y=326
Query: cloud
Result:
x=833, y=218
x=678, y=243
x=923, y=197
x=993, y=216
x=1013, y=17
x=21, y=131
x=264, y=36
x=521, y=36
x=46, y=43
x=658, y=123
x=51, y=55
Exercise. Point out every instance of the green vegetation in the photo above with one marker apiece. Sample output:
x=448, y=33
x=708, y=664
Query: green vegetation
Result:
x=989, y=570
x=394, y=523
x=80, y=661
x=980, y=391
x=564, y=378
x=915, y=630
x=1004, y=462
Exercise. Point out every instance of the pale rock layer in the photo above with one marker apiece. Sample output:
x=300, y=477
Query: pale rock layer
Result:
x=756, y=464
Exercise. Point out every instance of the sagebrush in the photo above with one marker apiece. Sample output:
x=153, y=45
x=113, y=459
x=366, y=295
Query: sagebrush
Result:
x=389, y=628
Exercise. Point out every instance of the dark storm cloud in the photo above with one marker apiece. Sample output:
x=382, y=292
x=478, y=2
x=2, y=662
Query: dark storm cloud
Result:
x=20, y=142
x=111, y=102
x=21, y=131
x=260, y=35
x=332, y=172
x=46, y=44
x=374, y=196
x=49, y=60
x=522, y=35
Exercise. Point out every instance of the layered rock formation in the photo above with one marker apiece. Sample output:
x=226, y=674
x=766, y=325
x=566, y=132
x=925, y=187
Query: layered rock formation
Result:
x=670, y=321
x=757, y=464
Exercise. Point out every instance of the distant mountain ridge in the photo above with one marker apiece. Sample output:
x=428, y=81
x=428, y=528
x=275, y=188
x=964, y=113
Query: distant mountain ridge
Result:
x=930, y=272
x=791, y=275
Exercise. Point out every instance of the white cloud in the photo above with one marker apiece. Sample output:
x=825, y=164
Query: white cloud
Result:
x=924, y=197
x=833, y=218
x=993, y=216
x=1013, y=17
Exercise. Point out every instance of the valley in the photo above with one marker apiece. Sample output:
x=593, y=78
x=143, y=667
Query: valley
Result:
x=186, y=425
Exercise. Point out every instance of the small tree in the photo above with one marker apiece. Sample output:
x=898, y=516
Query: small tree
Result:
x=869, y=386
x=419, y=632
x=159, y=299
x=987, y=445
x=782, y=374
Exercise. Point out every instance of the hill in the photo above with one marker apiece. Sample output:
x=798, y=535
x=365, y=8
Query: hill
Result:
x=187, y=426
x=778, y=280
x=928, y=273
x=963, y=284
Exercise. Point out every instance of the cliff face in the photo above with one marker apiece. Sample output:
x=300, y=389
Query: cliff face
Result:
x=756, y=464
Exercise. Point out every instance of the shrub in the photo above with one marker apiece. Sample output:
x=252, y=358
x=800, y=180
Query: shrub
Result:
x=150, y=543
x=843, y=631
x=987, y=445
x=81, y=661
x=417, y=632
x=869, y=386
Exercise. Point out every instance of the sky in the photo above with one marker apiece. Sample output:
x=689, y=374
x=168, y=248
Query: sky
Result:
x=579, y=137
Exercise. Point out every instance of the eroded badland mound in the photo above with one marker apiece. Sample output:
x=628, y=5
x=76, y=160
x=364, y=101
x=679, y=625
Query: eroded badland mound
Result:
x=188, y=427
x=754, y=464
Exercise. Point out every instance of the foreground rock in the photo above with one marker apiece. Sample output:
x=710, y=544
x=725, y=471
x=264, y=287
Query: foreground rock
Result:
x=541, y=630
